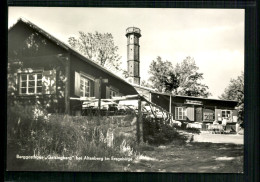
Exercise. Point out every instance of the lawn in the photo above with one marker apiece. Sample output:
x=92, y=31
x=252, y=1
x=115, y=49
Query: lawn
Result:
x=191, y=157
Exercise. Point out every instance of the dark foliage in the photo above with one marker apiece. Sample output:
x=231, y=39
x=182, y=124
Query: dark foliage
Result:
x=157, y=132
x=181, y=79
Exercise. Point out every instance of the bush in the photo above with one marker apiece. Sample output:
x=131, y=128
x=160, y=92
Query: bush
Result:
x=31, y=131
x=157, y=132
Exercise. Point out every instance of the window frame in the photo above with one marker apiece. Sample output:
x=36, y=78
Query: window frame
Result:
x=183, y=111
x=27, y=83
x=226, y=115
x=90, y=81
x=113, y=91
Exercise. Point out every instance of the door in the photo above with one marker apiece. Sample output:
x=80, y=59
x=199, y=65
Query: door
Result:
x=190, y=113
x=198, y=114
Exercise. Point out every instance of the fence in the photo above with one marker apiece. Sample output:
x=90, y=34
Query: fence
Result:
x=125, y=105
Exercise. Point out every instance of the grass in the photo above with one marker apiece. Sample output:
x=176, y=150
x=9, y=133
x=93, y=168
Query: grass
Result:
x=192, y=158
x=31, y=132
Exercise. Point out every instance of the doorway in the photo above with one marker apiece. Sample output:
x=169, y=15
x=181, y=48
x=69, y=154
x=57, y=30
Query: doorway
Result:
x=198, y=114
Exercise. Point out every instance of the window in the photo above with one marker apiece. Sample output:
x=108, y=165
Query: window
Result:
x=226, y=114
x=85, y=87
x=180, y=113
x=31, y=83
x=113, y=94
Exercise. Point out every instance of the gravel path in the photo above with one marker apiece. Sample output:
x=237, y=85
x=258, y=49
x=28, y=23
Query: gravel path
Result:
x=219, y=138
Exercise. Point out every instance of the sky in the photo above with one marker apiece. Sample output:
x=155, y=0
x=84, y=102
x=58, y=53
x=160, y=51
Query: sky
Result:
x=213, y=37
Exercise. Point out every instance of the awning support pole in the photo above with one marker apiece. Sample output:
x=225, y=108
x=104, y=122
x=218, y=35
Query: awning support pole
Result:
x=170, y=105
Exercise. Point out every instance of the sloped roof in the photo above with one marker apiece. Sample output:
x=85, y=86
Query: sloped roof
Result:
x=65, y=46
x=143, y=87
x=173, y=95
x=191, y=97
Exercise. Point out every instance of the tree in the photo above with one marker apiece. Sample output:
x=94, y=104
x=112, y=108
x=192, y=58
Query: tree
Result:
x=183, y=79
x=189, y=79
x=162, y=76
x=235, y=91
x=97, y=47
x=144, y=83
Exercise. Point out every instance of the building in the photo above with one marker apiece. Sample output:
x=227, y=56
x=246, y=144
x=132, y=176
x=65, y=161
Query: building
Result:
x=192, y=109
x=44, y=68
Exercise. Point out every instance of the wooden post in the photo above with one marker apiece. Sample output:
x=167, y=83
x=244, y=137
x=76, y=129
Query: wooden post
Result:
x=150, y=96
x=99, y=96
x=139, y=120
x=170, y=105
x=67, y=85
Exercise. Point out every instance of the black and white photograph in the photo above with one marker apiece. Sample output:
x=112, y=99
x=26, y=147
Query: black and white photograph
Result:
x=125, y=90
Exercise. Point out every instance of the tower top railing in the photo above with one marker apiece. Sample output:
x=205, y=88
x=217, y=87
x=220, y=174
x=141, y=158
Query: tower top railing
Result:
x=133, y=30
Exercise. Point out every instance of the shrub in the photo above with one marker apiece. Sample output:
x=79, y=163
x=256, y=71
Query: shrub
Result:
x=156, y=131
x=31, y=131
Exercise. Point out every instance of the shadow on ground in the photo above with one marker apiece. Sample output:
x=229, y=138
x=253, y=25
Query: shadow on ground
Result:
x=191, y=157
